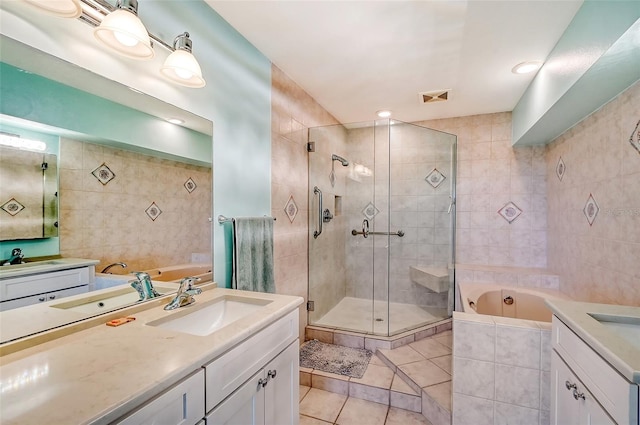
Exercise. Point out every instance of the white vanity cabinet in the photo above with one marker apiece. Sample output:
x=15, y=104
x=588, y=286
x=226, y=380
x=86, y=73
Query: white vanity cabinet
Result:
x=270, y=397
x=47, y=286
x=585, y=389
x=257, y=381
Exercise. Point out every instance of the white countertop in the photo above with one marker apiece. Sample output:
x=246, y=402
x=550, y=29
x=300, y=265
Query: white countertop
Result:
x=98, y=374
x=608, y=342
x=35, y=267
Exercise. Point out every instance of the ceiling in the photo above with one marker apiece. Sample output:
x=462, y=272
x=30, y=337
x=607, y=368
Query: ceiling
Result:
x=358, y=57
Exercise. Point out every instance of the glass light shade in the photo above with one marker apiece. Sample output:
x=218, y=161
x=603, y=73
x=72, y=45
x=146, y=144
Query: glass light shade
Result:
x=526, y=67
x=62, y=8
x=181, y=67
x=124, y=32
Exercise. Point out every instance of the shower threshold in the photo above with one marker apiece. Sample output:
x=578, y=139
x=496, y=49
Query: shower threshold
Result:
x=357, y=315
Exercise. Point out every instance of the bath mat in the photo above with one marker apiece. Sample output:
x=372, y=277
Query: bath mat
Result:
x=334, y=358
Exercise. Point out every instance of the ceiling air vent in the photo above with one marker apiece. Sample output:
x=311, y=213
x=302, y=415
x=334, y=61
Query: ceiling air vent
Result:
x=434, y=96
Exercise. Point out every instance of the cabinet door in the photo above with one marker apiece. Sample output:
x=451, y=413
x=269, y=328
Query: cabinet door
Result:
x=245, y=406
x=182, y=404
x=564, y=409
x=281, y=393
x=571, y=402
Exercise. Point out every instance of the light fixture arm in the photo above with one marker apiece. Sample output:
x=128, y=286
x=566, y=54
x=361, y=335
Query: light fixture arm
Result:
x=183, y=42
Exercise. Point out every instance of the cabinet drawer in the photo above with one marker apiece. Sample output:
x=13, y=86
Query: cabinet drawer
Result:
x=618, y=396
x=25, y=286
x=233, y=368
x=182, y=404
x=40, y=298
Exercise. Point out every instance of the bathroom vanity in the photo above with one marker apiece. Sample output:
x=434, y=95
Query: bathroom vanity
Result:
x=595, y=364
x=242, y=367
x=32, y=283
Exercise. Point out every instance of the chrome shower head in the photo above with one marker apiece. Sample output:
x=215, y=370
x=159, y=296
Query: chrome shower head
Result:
x=344, y=162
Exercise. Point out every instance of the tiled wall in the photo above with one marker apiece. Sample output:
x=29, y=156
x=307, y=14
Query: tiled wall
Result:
x=491, y=173
x=597, y=262
x=293, y=111
x=501, y=370
x=401, y=159
x=109, y=222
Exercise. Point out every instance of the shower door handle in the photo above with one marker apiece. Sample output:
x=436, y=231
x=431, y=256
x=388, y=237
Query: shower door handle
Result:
x=318, y=231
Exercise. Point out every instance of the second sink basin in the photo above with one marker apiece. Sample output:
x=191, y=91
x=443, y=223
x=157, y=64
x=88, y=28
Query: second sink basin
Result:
x=206, y=318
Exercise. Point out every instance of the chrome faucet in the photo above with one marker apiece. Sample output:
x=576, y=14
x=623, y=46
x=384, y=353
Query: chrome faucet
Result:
x=16, y=257
x=106, y=269
x=184, y=296
x=143, y=285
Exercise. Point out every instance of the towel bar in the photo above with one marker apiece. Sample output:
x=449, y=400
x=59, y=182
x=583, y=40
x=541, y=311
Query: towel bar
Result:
x=223, y=219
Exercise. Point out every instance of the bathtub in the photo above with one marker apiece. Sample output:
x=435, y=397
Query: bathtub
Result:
x=508, y=301
x=175, y=273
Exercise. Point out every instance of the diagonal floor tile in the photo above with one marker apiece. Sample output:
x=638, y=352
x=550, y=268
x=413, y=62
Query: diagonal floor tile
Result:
x=356, y=411
x=322, y=405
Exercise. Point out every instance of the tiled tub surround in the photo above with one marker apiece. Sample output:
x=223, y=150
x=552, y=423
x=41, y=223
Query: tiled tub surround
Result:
x=108, y=221
x=598, y=262
x=501, y=370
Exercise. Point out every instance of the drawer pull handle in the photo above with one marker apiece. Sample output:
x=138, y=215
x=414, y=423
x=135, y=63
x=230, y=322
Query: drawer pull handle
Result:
x=271, y=374
x=578, y=395
x=263, y=383
x=570, y=386
x=52, y=297
x=41, y=299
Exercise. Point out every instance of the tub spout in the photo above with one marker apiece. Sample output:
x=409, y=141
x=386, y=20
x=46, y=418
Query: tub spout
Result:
x=106, y=269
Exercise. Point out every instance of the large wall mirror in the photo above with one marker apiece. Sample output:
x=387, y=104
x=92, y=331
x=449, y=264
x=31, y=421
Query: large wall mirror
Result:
x=131, y=186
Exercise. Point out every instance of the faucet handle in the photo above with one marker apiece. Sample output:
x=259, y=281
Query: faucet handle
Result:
x=189, y=281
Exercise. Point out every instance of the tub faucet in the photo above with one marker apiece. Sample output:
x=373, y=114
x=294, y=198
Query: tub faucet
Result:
x=106, y=269
x=16, y=257
x=184, y=296
x=143, y=285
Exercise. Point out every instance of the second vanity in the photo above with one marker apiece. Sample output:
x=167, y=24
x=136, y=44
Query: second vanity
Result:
x=159, y=368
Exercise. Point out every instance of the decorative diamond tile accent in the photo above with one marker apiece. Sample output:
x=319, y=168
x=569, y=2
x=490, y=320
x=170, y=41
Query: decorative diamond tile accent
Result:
x=291, y=209
x=103, y=174
x=635, y=137
x=510, y=212
x=591, y=210
x=190, y=185
x=153, y=211
x=332, y=178
x=434, y=178
x=12, y=206
x=560, y=169
x=370, y=211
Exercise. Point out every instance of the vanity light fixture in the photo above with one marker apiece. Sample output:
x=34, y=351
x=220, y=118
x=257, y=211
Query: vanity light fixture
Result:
x=384, y=113
x=62, y=8
x=122, y=31
x=526, y=67
x=181, y=67
x=18, y=142
x=175, y=121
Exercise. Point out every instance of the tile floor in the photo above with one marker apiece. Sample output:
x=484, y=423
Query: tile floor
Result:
x=397, y=385
x=319, y=407
x=358, y=314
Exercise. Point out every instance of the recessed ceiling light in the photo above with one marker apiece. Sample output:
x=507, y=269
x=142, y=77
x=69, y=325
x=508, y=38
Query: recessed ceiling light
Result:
x=384, y=113
x=175, y=121
x=526, y=67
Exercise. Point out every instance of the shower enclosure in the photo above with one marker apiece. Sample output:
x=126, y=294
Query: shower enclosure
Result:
x=381, y=226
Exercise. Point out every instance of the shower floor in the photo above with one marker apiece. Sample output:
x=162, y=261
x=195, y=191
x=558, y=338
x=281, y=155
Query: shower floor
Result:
x=361, y=315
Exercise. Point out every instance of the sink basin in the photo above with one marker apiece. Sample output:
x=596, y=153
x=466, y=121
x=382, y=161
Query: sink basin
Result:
x=107, y=301
x=626, y=327
x=208, y=317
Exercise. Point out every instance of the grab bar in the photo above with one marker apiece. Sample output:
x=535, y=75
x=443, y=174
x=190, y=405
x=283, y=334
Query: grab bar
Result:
x=400, y=233
x=317, y=232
